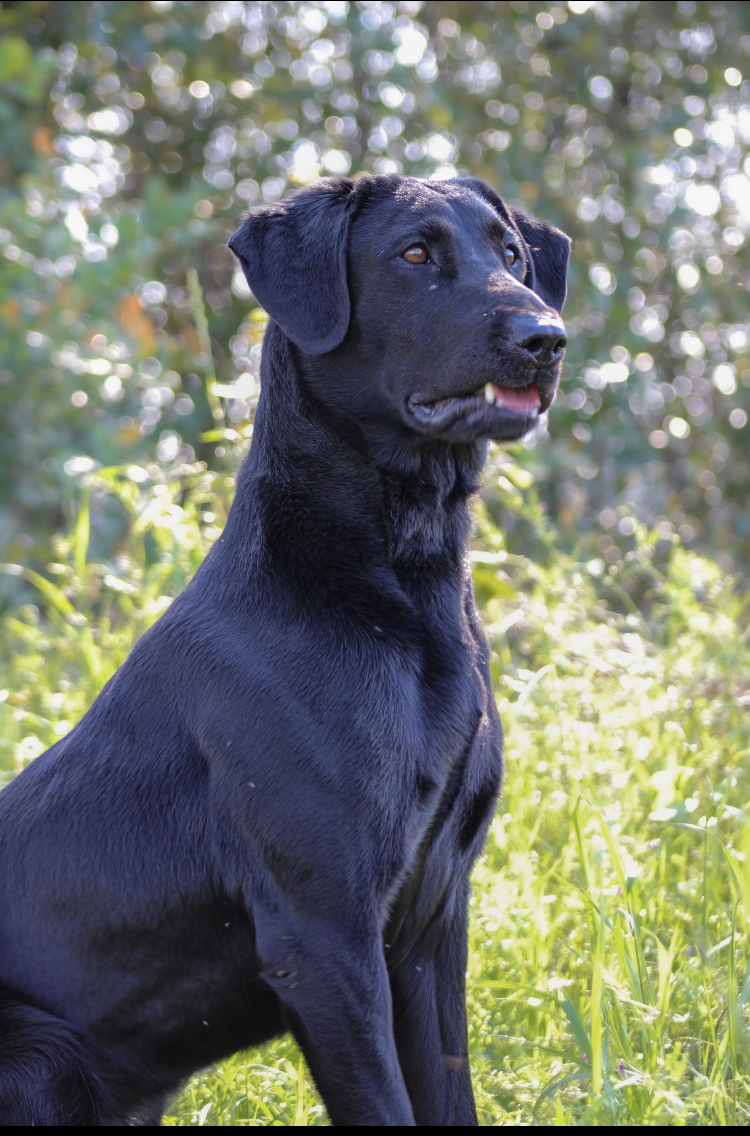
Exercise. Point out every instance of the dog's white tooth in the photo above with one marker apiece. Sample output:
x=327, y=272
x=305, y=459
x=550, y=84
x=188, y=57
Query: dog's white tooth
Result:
x=489, y=392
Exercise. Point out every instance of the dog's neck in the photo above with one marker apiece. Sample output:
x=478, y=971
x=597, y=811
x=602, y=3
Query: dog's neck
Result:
x=398, y=498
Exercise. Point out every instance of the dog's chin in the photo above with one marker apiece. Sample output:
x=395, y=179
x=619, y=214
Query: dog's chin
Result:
x=492, y=412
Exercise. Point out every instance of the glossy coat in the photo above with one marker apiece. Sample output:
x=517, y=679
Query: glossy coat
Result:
x=268, y=818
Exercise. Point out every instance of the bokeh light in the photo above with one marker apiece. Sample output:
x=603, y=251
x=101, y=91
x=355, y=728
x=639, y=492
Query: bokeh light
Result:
x=133, y=144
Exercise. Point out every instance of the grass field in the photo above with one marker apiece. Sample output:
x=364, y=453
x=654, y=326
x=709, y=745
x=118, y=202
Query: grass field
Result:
x=609, y=973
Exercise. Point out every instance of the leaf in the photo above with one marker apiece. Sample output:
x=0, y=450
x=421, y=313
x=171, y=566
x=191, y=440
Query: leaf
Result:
x=493, y=583
x=16, y=58
x=614, y=851
x=49, y=590
x=579, y=1030
x=527, y=690
x=521, y=478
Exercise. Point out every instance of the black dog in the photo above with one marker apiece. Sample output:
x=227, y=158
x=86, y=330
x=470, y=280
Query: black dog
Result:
x=267, y=819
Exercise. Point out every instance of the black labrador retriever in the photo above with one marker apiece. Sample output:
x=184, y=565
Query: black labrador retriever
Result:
x=268, y=818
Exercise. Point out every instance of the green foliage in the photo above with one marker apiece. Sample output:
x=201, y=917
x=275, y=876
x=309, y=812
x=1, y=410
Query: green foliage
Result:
x=610, y=907
x=609, y=969
x=134, y=133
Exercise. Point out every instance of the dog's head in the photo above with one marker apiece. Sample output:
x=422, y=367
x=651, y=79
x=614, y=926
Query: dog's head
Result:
x=430, y=304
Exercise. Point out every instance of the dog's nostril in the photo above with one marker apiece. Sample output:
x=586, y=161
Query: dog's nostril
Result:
x=545, y=348
x=543, y=338
x=536, y=346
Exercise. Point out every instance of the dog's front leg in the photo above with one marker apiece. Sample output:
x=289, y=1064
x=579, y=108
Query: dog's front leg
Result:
x=429, y=1006
x=335, y=989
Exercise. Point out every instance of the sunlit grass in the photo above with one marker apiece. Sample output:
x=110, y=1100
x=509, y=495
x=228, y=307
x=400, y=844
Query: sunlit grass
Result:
x=609, y=932
x=608, y=979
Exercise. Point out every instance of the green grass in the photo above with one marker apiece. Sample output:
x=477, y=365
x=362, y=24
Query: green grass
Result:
x=608, y=979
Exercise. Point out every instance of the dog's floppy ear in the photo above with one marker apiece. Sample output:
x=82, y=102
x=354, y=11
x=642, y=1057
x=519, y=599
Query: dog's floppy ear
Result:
x=550, y=251
x=548, y=247
x=293, y=255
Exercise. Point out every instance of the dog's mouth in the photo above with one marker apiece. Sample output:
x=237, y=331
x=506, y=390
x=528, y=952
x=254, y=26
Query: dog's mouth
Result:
x=490, y=411
x=517, y=400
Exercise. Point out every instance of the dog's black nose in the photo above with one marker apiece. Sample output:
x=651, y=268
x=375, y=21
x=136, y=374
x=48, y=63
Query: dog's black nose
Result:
x=542, y=336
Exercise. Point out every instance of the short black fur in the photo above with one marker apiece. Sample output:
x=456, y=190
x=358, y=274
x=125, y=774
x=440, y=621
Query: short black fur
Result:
x=268, y=818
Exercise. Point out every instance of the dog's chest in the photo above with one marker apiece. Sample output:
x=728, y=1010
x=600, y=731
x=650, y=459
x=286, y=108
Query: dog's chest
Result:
x=456, y=759
x=452, y=687
x=442, y=712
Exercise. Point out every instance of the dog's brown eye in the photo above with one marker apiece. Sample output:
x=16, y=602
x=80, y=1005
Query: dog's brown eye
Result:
x=511, y=256
x=417, y=254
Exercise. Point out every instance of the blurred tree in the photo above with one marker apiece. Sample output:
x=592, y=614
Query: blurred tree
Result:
x=134, y=133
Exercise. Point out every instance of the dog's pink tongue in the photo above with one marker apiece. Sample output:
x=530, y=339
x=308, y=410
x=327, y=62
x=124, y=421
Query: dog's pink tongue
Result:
x=517, y=400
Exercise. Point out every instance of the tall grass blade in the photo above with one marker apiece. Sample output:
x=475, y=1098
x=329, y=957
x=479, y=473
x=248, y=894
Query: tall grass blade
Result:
x=200, y=319
x=597, y=1021
x=580, y=1032
x=81, y=534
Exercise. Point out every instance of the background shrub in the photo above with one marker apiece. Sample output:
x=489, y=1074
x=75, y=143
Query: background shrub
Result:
x=134, y=134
